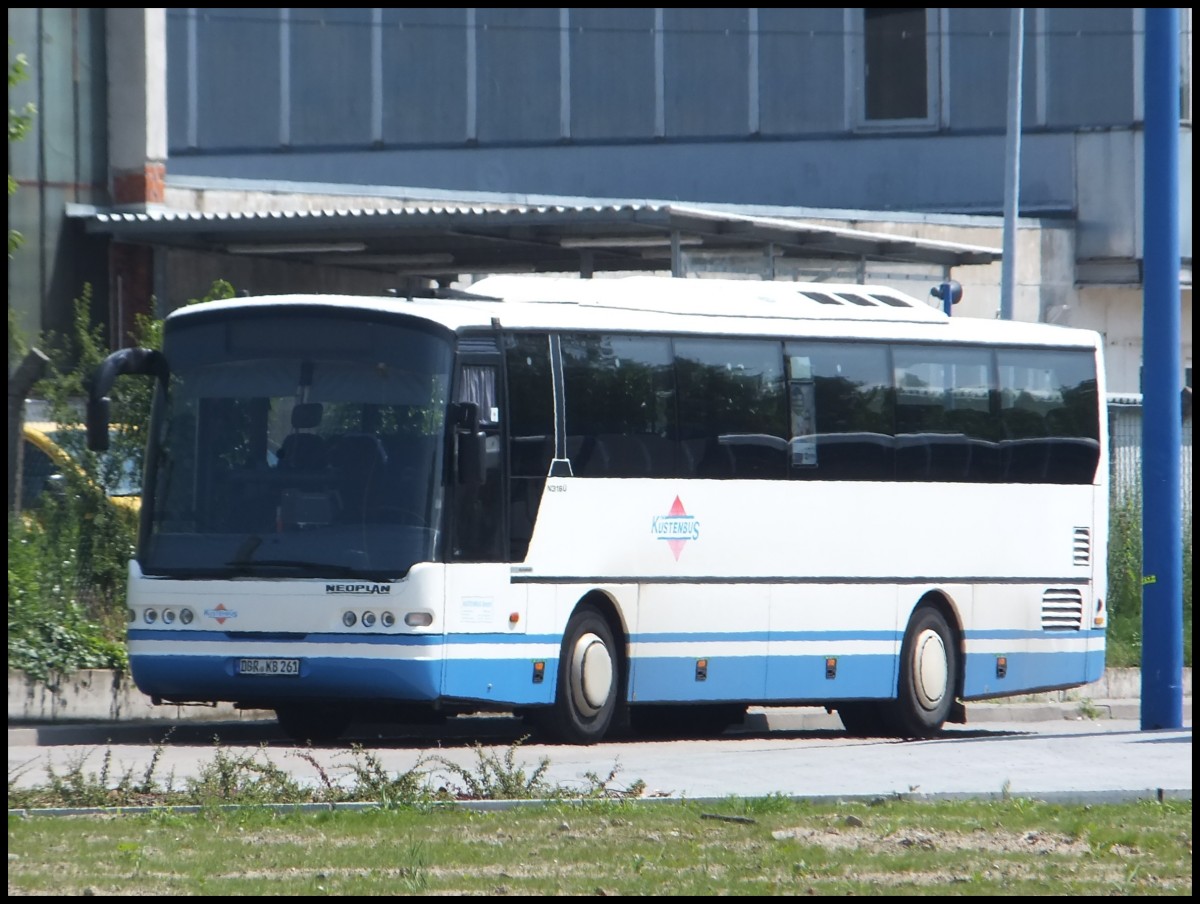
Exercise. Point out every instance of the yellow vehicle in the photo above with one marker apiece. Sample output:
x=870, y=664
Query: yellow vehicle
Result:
x=44, y=462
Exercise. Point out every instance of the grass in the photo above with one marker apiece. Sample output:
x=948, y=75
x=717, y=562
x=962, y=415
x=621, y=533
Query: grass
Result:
x=606, y=847
x=406, y=837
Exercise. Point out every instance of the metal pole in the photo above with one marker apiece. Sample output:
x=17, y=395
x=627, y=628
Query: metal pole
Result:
x=1012, y=159
x=1162, y=541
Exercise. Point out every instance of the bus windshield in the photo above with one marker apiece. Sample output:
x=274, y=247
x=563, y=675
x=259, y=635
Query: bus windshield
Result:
x=296, y=443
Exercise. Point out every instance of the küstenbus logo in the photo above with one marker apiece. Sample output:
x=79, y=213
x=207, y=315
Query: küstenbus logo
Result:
x=676, y=527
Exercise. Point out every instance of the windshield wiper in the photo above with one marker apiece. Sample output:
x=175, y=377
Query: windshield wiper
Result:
x=242, y=556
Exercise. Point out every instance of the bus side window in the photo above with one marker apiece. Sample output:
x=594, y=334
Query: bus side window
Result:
x=944, y=429
x=842, y=411
x=733, y=400
x=478, y=526
x=1048, y=407
x=530, y=434
x=620, y=405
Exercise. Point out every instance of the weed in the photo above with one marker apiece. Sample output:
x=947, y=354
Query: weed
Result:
x=1089, y=710
x=234, y=777
x=496, y=778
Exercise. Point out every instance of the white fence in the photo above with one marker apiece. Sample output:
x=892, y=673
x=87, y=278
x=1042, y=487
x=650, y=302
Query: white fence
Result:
x=1125, y=452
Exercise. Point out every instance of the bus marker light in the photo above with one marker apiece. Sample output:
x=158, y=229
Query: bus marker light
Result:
x=1001, y=666
x=1099, y=618
x=418, y=619
x=539, y=672
x=701, y=669
x=514, y=617
x=830, y=667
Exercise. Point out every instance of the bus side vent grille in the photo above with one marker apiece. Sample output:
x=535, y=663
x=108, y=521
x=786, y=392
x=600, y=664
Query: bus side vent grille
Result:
x=1062, y=609
x=1083, y=546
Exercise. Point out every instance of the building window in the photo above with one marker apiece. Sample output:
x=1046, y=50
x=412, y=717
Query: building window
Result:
x=895, y=68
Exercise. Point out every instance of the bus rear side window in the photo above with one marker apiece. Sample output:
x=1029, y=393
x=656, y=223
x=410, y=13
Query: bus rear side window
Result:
x=841, y=411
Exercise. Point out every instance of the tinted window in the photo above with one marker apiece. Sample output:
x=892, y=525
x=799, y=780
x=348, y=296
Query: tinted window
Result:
x=620, y=409
x=841, y=411
x=530, y=405
x=530, y=434
x=732, y=408
x=1049, y=415
x=945, y=426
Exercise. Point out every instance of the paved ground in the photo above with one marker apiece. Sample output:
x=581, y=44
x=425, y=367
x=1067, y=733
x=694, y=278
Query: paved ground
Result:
x=1065, y=745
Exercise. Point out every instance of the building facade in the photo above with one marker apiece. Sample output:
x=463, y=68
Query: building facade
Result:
x=892, y=121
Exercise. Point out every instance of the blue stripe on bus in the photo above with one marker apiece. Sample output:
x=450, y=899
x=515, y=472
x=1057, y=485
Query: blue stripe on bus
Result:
x=1026, y=672
x=780, y=678
x=652, y=678
x=215, y=678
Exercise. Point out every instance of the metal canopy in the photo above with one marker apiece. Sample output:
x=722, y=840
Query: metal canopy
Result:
x=442, y=240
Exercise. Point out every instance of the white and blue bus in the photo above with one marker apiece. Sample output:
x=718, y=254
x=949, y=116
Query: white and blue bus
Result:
x=630, y=504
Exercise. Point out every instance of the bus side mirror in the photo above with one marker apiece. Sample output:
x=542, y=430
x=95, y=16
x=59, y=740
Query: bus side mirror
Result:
x=97, y=423
x=144, y=361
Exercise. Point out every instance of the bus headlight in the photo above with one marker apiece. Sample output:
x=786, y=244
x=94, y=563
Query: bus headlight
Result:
x=387, y=620
x=132, y=616
x=168, y=616
x=186, y=616
x=368, y=619
x=150, y=615
x=348, y=619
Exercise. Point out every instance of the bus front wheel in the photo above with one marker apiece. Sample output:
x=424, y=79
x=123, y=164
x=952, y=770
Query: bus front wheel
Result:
x=928, y=677
x=588, y=679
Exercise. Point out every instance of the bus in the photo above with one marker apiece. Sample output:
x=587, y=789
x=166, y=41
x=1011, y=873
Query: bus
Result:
x=615, y=507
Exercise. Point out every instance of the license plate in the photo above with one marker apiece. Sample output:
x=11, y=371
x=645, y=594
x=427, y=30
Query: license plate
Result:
x=269, y=667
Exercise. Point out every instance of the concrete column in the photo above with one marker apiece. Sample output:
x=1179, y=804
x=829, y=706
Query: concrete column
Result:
x=137, y=105
x=137, y=151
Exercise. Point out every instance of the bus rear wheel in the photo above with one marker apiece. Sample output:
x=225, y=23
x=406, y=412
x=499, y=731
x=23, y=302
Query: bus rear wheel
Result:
x=928, y=677
x=589, y=671
x=318, y=724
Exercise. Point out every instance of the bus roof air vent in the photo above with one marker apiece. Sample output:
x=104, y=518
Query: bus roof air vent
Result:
x=821, y=297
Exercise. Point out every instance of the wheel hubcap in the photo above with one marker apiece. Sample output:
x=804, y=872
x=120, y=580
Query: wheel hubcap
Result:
x=930, y=669
x=591, y=674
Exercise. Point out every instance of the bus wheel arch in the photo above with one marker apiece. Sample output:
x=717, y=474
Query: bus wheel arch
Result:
x=931, y=670
x=591, y=673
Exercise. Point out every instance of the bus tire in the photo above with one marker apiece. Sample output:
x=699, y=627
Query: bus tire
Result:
x=928, y=677
x=589, y=673
x=318, y=724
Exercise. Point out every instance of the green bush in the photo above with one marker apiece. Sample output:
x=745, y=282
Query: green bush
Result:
x=1124, y=649
x=56, y=621
x=68, y=559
